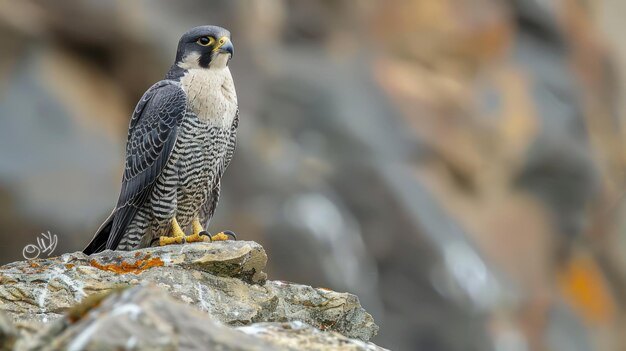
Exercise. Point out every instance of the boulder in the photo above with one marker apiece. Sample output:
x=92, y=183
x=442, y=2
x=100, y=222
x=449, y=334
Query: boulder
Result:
x=300, y=336
x=175, y=297
x=8, y=334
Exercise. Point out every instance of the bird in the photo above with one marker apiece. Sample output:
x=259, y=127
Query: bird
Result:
x=181, y=138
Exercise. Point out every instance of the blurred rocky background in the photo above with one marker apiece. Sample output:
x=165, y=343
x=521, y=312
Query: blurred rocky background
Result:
x=457, y=164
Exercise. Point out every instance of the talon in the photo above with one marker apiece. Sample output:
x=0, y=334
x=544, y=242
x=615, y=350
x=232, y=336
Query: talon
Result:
x=231, y=233
x=199, y=234
x=221, y=236
x=205, y=233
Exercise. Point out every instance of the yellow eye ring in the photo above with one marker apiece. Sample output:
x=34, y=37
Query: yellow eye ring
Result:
x=205, y=41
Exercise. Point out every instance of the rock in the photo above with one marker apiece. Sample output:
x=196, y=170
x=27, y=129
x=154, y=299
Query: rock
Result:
x=8, y=334
x=142, y=318
x=300, y=336
x=225, y=279
x=147, y=318
x=325, y=309
x=42, y=289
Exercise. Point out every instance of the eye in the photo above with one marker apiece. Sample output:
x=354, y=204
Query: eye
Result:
x=205, y=41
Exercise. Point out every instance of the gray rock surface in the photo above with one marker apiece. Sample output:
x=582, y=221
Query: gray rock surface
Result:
x=8, y=334
x=141, y=318
x=300, y=336
x=181, y=291
x=147, y=318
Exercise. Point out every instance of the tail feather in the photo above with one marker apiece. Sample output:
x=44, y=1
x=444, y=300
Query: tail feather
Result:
x=99, y=241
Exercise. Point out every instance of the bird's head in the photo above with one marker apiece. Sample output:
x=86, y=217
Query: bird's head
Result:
x=204, y=47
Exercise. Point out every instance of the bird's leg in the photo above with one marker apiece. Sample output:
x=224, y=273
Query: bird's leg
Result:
x=197, y=229
x=177, y=231
x=179, y=237
x=198, y=235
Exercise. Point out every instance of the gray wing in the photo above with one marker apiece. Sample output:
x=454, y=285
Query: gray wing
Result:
x=208, y=209
x=151, y=138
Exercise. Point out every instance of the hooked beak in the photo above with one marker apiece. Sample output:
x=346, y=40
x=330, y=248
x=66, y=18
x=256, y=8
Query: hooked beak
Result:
x=225, y=46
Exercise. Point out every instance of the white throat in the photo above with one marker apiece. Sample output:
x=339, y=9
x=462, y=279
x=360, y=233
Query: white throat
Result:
x=211, y=94
x=219, y=61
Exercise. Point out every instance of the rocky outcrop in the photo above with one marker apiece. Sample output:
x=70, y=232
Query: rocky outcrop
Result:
x=299, y=336
x=174, y=297
x=8, y=334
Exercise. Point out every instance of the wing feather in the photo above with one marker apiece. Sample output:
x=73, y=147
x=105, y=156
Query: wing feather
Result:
x=151, y=139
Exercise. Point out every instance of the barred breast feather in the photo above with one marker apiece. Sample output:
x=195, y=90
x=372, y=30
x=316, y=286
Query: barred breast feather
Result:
x=181, y=139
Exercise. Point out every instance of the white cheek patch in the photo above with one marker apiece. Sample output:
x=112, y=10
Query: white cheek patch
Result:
x=190, y=61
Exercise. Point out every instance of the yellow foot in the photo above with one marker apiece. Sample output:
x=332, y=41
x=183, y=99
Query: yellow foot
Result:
x=221, y=236
x=197, y=230
x=179, y=237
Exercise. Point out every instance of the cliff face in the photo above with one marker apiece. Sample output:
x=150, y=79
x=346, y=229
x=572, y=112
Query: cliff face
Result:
x=187, y=297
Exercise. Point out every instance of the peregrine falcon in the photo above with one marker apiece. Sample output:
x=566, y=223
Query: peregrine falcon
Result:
x=181, y=139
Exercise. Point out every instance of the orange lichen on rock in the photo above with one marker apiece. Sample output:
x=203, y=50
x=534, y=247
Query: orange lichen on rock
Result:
x=585, y=287
x=125, y=267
